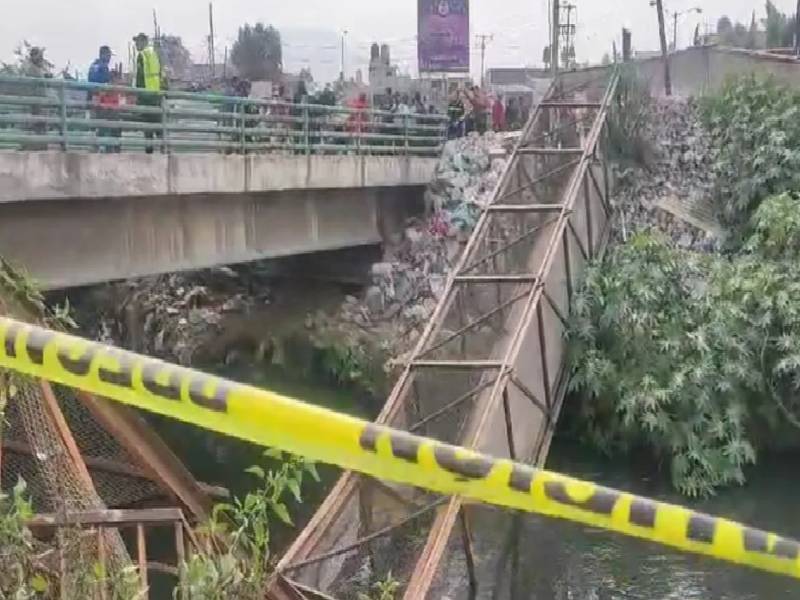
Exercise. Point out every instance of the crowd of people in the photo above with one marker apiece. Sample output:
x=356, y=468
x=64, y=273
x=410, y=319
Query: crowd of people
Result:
x=470, y=109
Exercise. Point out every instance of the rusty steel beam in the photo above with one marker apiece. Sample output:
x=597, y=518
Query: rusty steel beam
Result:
x=515, y=242
x=459, y=365
x=108, y=518
x=151, y=454
x=496, y=279
x=571, y=105
x=550, y=151
x=523, y=208
x=364, y=540
x=479, y=321
x=539, y=180
x=451, y=406
x=429, y=561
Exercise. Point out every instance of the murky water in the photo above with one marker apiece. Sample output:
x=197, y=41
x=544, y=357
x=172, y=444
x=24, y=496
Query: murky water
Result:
x=530, y=558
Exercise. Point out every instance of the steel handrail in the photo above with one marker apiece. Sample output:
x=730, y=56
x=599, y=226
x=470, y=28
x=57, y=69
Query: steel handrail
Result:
x=50, y=111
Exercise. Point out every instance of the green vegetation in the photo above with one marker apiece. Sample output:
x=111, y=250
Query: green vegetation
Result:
x=630, y=112
x=257, y=52
x=677, y=352
x=385, y=589
x=238, y=561
x=19, y=576
x=755, y=127
x=695, y=357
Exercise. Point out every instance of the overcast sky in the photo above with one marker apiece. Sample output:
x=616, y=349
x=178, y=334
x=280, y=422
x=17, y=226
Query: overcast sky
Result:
x=71, y=31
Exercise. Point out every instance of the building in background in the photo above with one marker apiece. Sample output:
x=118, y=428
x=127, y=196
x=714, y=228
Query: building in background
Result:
x=526, y=86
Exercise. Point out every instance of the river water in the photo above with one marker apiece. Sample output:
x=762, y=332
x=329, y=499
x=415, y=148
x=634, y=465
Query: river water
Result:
x=523, y=557
x=531, y=558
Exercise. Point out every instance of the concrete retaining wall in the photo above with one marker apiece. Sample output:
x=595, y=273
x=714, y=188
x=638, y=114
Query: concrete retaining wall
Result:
x=699, y=70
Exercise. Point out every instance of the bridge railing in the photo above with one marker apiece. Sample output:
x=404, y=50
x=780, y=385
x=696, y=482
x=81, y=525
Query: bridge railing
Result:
x=46, y=114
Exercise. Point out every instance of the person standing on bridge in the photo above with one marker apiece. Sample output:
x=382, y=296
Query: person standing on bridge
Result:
x=99, y=71
x=147, y=78
x=106, y=102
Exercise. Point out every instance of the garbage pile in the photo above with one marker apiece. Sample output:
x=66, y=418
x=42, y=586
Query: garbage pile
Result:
x=464, y=181
x=408, y=284
x=674, y=191
x=170, y=316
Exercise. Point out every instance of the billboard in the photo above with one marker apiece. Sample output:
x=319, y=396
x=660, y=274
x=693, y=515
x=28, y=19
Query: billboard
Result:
x=443, y=36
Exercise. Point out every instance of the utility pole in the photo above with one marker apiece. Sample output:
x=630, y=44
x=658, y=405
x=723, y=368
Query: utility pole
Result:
x=483, y=39
x=344, y=65
x=664, y=51
x=675, y=31
x=156, y=31
x=211, y=52
x=568, y=32
x=797, y=30
x=555, y=33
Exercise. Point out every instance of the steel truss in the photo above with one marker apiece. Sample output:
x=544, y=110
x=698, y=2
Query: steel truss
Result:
x=489, y=372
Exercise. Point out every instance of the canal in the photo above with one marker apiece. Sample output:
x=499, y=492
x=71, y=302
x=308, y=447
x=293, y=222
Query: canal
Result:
x=522, y=557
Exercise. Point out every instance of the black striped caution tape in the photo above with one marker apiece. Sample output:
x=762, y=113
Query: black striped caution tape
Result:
x=272, y=420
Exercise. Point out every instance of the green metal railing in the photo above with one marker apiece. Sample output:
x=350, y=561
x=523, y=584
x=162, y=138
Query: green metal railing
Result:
x=45, y=114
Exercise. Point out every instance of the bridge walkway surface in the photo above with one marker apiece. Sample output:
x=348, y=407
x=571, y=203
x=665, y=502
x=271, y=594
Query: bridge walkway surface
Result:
x=489, y=372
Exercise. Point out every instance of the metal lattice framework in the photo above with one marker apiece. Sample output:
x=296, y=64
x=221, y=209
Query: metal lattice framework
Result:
x=489, y=372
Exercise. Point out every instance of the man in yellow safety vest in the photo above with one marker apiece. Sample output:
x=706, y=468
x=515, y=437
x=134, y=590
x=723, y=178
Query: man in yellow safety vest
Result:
x=147, y=77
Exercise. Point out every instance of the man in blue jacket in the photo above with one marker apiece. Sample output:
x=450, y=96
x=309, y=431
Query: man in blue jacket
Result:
x=99, y=72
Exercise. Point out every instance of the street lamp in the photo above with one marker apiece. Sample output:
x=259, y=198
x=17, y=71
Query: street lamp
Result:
x=675, y=14
x=344, y=42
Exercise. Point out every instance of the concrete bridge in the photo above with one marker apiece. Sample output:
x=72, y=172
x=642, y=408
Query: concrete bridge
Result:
x=228, y=180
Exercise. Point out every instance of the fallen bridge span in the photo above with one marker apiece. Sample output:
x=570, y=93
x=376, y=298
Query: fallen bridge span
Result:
x=489, y=372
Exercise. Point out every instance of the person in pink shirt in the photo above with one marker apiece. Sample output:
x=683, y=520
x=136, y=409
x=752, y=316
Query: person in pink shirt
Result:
x=499, y=114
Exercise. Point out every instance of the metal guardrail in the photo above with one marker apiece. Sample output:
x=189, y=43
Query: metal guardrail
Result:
x=40, y=113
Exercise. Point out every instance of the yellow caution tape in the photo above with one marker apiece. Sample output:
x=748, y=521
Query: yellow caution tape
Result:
x=276, y=421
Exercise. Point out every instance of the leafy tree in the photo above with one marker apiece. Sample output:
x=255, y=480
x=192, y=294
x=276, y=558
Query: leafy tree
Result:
x=755, y=126
x=780, y=28
x=175, y=58
x=306, y=75
x=724, y=26
x=22, y=63
x=696, y=358
x=752, y=35
x=738, y=35
x=775, y=228
x=257, y=53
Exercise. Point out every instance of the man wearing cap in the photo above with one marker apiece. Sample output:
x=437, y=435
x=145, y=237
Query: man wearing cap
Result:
x=147, y=76
x=148, y=66
x=99, y=71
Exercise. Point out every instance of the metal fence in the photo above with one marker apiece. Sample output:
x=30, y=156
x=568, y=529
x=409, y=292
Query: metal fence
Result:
x=44, y=114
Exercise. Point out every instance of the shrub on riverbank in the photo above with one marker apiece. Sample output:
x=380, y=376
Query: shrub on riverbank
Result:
x=755, y=127
x=696, y=357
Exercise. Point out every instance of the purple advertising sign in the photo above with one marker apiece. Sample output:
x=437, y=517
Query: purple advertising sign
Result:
x=443, y=36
